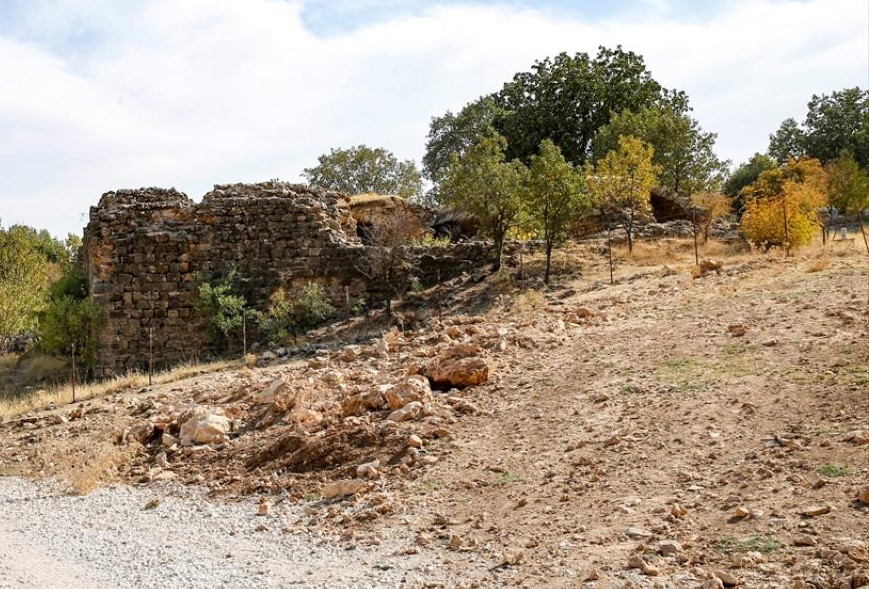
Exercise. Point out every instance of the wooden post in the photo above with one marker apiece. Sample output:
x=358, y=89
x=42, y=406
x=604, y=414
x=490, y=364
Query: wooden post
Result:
x=150, y=355
x=696, y=254
x=73, y=373
x=243, y=335
x=439, y=295
x=609, y=247
x=784, y=205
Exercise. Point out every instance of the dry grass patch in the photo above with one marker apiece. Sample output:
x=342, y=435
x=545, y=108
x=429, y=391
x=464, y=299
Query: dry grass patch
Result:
x=63, y=394
x=82, y=464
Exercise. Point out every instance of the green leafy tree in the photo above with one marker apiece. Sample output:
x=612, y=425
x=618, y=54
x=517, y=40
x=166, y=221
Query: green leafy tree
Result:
x=835, y=122
x=70, y=322
x=484, y=183
x=848, y=185
x=287, y=318
x=455, y=133
x=744, y=175
x=26, y=271
x=683, y=151
x=555, y=197
x=621, y=183
x=361, y=169
x=788, y=142
x=567, y=99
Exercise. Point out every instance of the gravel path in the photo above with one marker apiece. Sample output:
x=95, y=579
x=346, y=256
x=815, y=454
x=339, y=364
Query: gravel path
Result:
x=109, y=540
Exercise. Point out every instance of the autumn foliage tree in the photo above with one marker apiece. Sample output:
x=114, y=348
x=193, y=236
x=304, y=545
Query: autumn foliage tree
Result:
x=621, y=184
x=782, y=205
x=713, y=205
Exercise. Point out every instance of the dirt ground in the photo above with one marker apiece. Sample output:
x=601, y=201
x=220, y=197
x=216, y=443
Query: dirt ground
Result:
x=664, y=431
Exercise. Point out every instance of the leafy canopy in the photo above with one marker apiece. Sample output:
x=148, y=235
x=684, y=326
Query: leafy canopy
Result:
x=361, y=169
x=622, y=181
x=683, y=151
x=848, y=184
x=555, y=196
x=835, y=122
x=484, y=183
x=782, y=205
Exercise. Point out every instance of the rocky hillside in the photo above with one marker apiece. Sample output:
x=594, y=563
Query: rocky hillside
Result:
x=665, y=431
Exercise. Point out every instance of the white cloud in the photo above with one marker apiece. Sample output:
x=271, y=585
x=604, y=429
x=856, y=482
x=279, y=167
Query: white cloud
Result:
x=102, y=94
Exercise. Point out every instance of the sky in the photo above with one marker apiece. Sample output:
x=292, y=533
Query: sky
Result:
x=97, y=95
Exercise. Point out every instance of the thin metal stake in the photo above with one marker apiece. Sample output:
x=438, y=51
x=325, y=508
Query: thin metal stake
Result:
x=73, y=373
x=150, y=355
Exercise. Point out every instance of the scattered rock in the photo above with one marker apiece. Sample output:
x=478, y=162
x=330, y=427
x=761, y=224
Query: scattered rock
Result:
x=736, y=330
x=638, y=533
x=344, y=488
x=863, y=495
x=636, y=562
x=816, y=510
x=669, y=547
x=410, y=411
x=268, y=394
x=414, y=388
x=205, y=427
x=414, y=441
x=727, y=579
x=368, y=470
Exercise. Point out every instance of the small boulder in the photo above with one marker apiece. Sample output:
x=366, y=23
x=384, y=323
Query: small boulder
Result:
x=344, y=488
x=410, y=411
x=414, y=388
x=205, y=427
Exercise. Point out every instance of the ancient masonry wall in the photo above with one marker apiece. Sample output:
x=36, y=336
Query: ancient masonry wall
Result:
x=145, y=251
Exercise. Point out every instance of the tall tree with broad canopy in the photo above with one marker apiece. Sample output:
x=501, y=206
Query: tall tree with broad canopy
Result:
x=455, y=133
x=484, y=183
x=567, y=99
x=362, y=169
x=683, y=151
x=621, y=183
x=555, y=196
x=835, y=122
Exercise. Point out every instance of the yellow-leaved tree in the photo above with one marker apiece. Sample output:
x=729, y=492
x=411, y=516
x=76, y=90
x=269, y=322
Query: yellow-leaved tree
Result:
x=622, y=182
x=782, y=205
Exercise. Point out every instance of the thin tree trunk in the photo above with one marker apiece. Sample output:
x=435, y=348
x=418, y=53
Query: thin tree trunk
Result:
x=787, y=237
x=609, y=243
x=548, y=261
x=863, y=231
x=499, y=246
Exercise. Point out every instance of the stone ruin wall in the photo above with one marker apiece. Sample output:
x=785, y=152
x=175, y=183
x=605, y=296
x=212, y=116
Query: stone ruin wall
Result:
x=145, y=251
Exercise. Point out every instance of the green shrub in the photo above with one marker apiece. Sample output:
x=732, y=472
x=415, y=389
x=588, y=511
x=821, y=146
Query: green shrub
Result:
x=287, y=318
x=222, y=305
x=71, y=320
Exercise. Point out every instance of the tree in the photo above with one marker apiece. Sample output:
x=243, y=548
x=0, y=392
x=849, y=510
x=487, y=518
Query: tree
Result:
x=26, y=271
x=222, y=305
x=744, y=175
x=361, y=169
x=848, y=185
x=621, y=184
x=569, y=98
x=789, y=142
x=555, y=196
x=714, y=206
x=387, y=261
x=455, y=133
x=683, y=151
x=70, y=322
x=835, y=122
x=782, y=205
x=483, y=183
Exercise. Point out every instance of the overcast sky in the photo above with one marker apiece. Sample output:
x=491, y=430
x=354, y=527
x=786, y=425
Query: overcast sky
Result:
x=103, y=94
